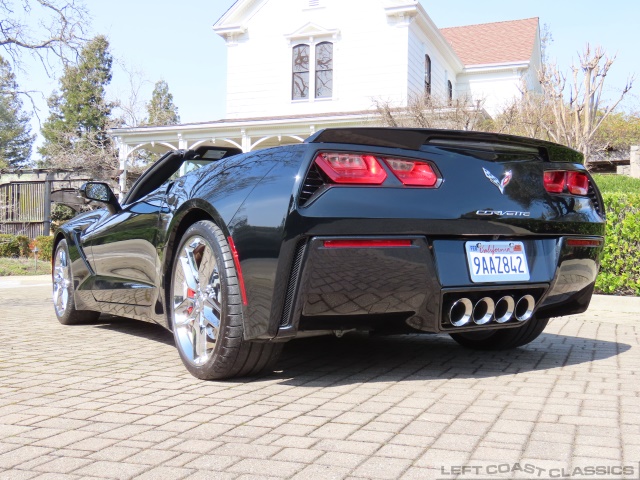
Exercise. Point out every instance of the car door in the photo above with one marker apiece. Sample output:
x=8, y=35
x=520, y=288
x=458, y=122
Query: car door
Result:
x=123, y=244
x=123, y=252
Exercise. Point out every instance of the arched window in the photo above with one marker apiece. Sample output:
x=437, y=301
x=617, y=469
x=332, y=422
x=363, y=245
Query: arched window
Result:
x=324, y=70
x=300, y=72
x=427, y=74
x=449, y=90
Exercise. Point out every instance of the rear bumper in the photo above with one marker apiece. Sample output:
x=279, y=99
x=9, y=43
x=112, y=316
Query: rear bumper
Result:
x=412, y=288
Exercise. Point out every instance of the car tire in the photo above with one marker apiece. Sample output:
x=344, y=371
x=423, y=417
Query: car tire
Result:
x=504, y=339
x=63, y=299
x=205, y=307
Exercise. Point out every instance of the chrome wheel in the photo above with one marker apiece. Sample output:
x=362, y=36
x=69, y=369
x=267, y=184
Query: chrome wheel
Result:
x=61, y=282
x=197, y=300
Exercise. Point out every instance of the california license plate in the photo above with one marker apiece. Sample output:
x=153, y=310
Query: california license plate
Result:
x=497, y=261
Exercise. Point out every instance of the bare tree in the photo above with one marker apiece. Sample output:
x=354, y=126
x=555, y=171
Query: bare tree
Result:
x=570, y=110
x=430, y=111
x=42, y=28
x=89, y=153
x=129, y=107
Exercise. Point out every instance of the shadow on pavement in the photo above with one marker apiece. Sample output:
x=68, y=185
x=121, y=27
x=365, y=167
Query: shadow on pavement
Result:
x=136, y=328
x=323, y=361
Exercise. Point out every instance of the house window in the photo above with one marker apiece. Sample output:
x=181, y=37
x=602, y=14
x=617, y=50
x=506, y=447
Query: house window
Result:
x=427, y=75
x=320, y=80
x=324, y=70
x=449, y=90
x=300, y=72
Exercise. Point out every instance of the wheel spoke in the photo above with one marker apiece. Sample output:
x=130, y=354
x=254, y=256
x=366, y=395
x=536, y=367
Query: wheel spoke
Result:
x=195, y=345
x=190, y=270
x=212, y=322
x=64, y=298
x=202, y=339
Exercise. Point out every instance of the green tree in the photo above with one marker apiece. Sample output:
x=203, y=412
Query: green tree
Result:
x=76, y=131
x=15, y=133
x=161, y=110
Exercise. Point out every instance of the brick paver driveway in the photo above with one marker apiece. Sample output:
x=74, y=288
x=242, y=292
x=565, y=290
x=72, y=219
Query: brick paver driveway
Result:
x=112, y=400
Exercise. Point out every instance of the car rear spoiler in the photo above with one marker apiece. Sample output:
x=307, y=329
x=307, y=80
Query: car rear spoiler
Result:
x=415, y=139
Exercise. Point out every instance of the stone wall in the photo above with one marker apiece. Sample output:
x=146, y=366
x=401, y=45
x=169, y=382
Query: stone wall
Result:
x=634, y=167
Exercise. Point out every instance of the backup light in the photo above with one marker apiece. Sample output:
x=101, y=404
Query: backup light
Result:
x=413, y=173
x=352, y=168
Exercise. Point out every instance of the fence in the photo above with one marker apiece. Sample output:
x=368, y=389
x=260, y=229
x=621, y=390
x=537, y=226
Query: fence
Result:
x=23, y=209
x=25, y=199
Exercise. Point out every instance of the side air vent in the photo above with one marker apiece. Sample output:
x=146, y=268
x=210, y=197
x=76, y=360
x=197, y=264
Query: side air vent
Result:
x=294, y=275
x=312, y=183
x=591, y=193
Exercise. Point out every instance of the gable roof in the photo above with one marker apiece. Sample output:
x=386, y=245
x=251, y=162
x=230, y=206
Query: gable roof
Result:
x=491, y=43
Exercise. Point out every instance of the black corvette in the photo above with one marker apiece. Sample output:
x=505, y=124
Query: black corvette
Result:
x=483, y=237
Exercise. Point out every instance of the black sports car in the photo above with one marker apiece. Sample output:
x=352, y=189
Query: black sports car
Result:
x=483, y=237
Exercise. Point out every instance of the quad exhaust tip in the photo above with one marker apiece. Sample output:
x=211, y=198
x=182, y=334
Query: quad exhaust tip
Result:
x=483, y=311
x=524, y=308
x=463, y=311
x=504, y=309
x=460, y=312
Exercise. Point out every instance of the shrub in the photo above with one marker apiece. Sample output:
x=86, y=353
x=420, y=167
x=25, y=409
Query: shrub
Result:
x=620, y=271
x=9, y=245
x=45, y=247
x=23, y=245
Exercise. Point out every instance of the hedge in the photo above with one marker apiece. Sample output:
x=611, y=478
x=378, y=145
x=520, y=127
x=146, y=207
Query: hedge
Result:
x=620, y=269
x=14, y=245
x=20, y=246
x=45, y=247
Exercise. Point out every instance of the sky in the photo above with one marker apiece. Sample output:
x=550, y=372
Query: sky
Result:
x=174, y=41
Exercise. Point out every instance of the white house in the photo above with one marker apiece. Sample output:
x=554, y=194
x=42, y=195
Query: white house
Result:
x=297, y=66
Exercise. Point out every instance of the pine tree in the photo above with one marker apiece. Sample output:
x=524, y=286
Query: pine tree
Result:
x=15, y=132
x=76, y=131
x=161, y=110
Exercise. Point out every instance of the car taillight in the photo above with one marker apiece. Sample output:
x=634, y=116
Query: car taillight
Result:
x=413, y=173
x=352, y=168
x=576, y=183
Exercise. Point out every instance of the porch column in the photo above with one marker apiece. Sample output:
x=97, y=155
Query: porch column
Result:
x=182, y=143
x=246, y=141
x=123, y=154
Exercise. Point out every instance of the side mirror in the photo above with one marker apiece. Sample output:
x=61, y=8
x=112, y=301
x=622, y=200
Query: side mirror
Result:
x=100, y=192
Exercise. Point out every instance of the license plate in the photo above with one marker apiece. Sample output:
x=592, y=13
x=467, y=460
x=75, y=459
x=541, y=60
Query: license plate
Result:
x=497, y=261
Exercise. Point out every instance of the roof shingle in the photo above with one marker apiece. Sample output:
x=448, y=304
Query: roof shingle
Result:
x=488, y=43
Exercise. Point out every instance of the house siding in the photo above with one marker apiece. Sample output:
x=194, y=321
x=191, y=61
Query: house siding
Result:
x=370, y=59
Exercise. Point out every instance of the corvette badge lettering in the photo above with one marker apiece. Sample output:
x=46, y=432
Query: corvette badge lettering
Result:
x=503, y=213
x=501, y=184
